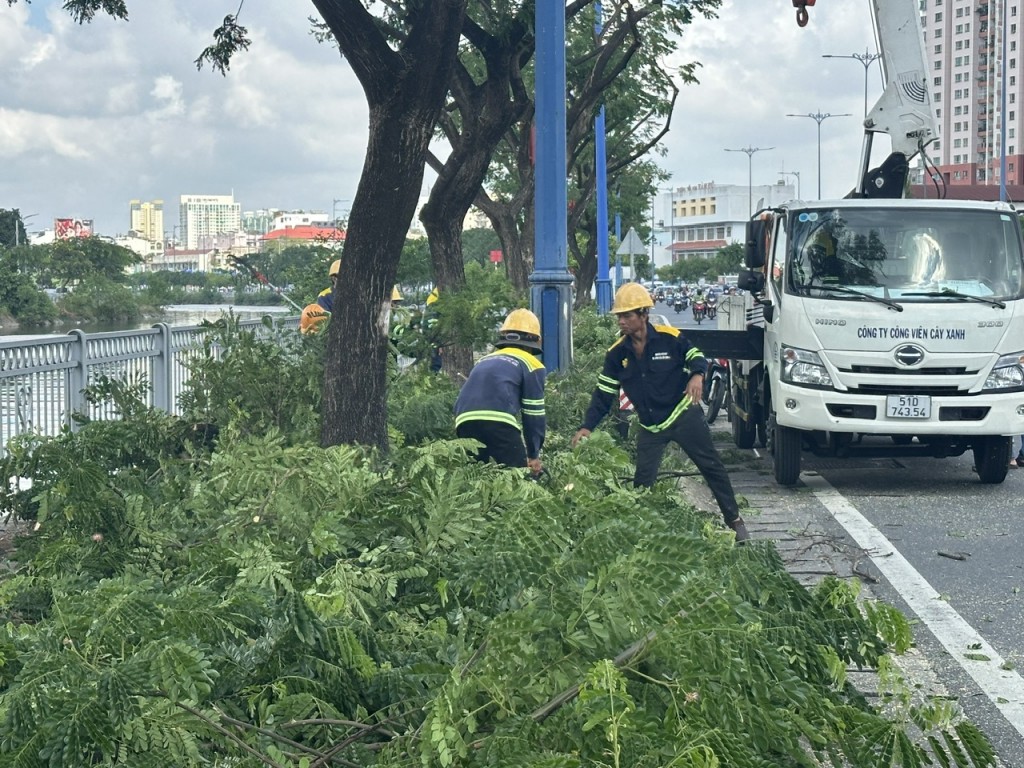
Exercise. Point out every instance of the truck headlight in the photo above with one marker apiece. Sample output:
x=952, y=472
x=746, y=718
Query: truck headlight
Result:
x=804, y=368
x=1008, y=373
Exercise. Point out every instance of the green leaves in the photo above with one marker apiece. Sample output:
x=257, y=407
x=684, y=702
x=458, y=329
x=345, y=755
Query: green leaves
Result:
x=267, y=601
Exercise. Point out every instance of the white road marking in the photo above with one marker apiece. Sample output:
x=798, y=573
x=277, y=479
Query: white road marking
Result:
x=1004, y=687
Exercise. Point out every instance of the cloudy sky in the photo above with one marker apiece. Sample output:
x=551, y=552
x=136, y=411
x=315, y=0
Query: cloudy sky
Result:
x=92, y=117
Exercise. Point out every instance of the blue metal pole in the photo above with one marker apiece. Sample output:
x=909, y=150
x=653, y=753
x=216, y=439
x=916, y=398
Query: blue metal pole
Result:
x=604, y=284
x=604, y=287
x=618, y=239
x=551, y=282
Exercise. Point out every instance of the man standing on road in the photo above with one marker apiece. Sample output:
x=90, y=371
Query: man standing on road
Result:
x=505, y=385
x=663, y=376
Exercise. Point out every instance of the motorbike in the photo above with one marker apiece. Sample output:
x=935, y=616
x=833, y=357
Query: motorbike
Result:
x=716, y=387
x=700, y=310
x=679, y=303
x=712, y=308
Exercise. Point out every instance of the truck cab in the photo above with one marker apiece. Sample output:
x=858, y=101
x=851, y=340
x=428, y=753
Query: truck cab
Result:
x=895, y=318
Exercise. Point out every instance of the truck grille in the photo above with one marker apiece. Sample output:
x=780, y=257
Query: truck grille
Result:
x=885, y=389
x=885, y=370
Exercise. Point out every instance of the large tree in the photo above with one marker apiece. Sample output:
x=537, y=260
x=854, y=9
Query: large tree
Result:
x=402, y=54
x=623, y=67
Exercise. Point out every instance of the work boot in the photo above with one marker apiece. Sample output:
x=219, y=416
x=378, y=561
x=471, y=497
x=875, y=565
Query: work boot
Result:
x=741, y=530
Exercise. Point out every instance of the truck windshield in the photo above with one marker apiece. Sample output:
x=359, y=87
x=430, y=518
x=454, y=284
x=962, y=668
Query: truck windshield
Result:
x=905, y=254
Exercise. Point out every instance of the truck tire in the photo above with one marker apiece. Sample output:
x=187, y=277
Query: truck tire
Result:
x=992, y=458
x=786, y=446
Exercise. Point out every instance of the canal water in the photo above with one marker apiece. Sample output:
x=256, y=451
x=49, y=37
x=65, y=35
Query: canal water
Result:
x=180, y=314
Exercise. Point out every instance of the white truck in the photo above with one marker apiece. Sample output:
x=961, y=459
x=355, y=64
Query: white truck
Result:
x=878, y=325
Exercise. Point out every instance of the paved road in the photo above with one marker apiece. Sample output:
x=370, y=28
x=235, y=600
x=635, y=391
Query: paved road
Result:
x=922, y=534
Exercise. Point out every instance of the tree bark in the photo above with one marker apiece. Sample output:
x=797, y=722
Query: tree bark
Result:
x=405, y=91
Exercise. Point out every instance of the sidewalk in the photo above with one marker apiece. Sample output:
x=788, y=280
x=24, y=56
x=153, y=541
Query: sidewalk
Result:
x=811, y=544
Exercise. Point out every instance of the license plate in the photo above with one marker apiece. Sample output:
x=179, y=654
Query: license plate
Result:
x=908, y=406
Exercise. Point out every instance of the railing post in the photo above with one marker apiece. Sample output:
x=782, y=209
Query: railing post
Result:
x=162, y=360
x=77, y=377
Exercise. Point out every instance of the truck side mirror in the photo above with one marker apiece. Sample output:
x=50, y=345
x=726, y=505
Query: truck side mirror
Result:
x=754, y=251
x=751, y=280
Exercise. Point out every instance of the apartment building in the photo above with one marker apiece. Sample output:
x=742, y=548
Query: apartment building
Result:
x=973, y=52
x=698, y=220
x=202, y=218
x=147, y=219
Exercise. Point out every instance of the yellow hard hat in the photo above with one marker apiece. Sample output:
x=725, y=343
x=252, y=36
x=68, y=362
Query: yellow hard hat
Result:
x=630, y=297
x=521, y=327
x=335, y=268
x=311, y=318
x=395, y=295
x=434, y=296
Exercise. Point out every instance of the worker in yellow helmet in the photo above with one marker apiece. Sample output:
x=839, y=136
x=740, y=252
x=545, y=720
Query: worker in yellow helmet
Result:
x=662, y=374
x=501, y=404
x=326, y=297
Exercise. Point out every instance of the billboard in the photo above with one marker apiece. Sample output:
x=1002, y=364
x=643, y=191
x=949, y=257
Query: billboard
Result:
x=67, y=228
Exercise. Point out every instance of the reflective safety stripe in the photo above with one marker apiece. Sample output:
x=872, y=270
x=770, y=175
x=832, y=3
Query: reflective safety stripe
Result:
x=685, y=403
x=607, y=384
x=504, y=418
x=694, y=352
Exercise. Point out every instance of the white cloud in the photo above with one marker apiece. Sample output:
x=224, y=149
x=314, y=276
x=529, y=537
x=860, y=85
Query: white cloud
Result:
x=100, y=114
x=112, y=111
x=758, y=66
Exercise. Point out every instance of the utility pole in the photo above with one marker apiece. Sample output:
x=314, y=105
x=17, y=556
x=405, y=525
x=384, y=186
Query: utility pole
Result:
x=866, y=59
x=819, y=118
x=749, y=151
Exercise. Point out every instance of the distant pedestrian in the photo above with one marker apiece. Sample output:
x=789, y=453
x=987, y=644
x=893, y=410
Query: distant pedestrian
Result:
x=501, y=404
x=1019, y=460
x=662, y=374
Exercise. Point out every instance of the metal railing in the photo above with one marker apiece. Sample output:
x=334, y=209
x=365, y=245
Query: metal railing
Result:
x=43, y=382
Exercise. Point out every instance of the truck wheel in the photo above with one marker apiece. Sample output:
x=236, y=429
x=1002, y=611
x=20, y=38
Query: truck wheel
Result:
x=786, y=446
x=992, y=458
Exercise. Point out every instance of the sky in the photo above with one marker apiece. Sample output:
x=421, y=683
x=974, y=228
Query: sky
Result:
x=93, y=117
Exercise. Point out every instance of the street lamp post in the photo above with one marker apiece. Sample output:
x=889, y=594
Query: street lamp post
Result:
x=864, y=58
x=793, y=173
x=819, y=118
x=749, y=151
x=19, y=225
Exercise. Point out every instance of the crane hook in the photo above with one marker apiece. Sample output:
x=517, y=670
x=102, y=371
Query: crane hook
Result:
x=801, y=11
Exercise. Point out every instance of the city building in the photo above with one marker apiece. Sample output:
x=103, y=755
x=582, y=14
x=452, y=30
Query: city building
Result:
x=287, y=219
x=969, y=78
x=151, y=251
x=303, y=234
x=698, y=220
x=147, y=219
x=203, y=217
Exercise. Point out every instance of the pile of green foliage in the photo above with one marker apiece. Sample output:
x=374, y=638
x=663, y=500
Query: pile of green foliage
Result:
x=242, y=597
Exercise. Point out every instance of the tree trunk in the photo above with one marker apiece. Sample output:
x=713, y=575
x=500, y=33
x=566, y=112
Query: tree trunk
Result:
x=405, y=91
